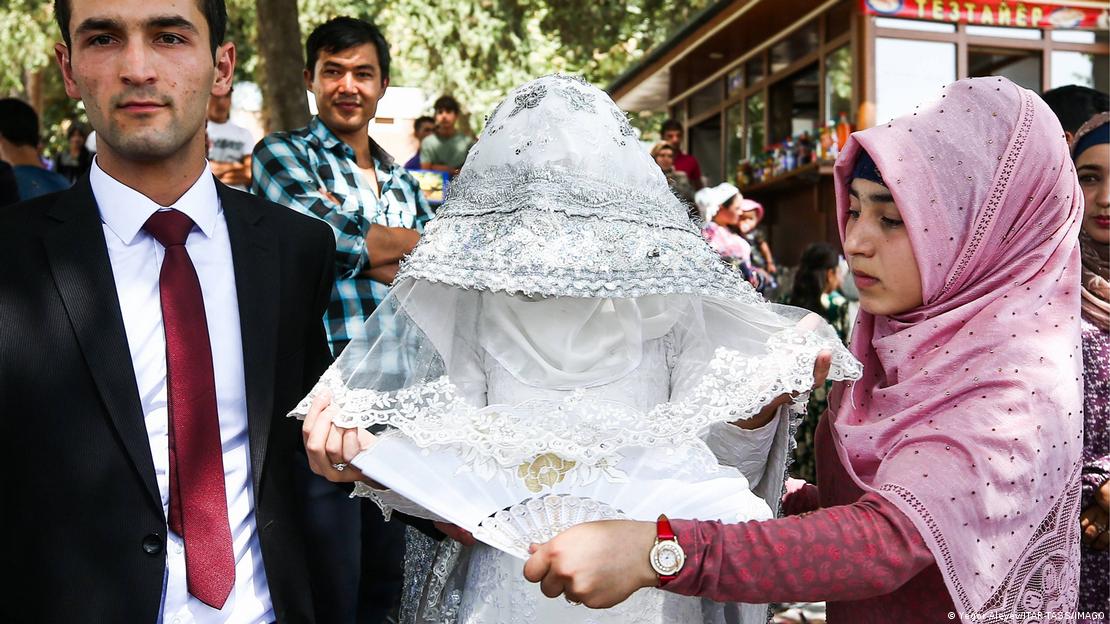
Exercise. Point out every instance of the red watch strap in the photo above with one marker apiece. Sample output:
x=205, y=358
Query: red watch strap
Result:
x=663, y=530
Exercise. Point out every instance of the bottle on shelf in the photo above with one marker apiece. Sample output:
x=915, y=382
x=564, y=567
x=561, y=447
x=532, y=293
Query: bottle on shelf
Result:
x=843, y=129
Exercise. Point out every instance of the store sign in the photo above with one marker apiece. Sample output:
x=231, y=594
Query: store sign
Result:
x=995, y=13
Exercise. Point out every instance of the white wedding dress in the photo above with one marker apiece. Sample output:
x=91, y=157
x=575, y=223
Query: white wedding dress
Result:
x=495, y=590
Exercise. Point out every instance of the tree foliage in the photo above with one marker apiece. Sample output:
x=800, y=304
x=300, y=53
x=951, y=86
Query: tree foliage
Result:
x=475, y=50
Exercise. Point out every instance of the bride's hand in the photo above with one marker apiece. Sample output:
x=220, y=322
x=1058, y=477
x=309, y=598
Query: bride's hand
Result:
x=820, y=372
x=330, y=448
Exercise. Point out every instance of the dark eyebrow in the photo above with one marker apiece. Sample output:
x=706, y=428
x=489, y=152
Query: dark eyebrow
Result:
x=94, y=24
x=355, y=68
x=98, y=23
x=882, y=198
x=1094, y=166
x=171, y=22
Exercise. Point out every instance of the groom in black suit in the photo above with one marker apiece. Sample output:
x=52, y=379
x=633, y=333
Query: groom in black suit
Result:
x=155, y=327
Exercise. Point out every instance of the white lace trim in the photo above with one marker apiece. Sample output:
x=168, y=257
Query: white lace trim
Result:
x=580, y=429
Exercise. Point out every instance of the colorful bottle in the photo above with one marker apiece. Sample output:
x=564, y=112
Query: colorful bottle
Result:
x=843, y=129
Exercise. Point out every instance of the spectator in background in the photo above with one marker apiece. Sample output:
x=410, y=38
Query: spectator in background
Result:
x=664, y=153
x=763, y=262
x=421, y=128
x=334, y=171
x=19, y=140
x=74, y=161
x=672, y=133
x=446, y=148
x=1091, y=151
x=722, y=208
x=230, y=145
x=1074, y=105
x=816, y=288
x=9, y=190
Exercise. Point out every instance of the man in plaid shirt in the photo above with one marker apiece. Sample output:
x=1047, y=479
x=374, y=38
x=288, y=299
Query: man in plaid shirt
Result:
x=332, y=170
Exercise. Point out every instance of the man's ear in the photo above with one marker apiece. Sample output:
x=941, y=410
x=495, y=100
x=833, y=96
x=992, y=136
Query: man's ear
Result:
x=225, y=69
x=308, y=80
x=61, y=54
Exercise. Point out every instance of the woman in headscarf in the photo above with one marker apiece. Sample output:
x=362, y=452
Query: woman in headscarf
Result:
x=816, y=285
x=663, y=153
x=950, y=470
x=722, y=210
x=1091, y=151
x=563, y=345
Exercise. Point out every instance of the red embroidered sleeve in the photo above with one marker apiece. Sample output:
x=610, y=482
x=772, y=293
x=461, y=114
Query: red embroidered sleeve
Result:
x=847, y=552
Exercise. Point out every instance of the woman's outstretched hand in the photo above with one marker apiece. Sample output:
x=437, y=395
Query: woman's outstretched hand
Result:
x=598, y=564
x=330, y=448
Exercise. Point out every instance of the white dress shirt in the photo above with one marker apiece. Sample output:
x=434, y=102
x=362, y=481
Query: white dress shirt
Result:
x=136, y=261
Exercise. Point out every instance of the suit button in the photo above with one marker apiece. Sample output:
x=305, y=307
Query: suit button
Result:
x=152, y=544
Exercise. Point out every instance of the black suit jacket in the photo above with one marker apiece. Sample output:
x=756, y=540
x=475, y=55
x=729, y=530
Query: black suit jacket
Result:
x=81, y=524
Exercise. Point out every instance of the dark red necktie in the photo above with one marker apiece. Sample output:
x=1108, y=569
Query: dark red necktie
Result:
x=198, y=502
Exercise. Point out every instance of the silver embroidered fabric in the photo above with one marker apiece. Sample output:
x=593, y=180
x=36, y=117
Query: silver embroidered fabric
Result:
x=559, y=199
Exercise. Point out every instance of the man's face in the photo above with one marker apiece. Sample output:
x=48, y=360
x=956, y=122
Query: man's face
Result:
x=219, y=108
x=445, y=120
x=673, y=137
x=347, y=85
x=145, y=72
x=424, y=129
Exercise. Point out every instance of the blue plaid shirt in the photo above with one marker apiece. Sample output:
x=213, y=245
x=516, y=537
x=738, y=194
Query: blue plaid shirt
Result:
x=290, y=168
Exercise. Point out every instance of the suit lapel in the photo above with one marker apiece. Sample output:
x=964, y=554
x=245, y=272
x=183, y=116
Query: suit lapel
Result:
x=82, y=271
x=254, y=250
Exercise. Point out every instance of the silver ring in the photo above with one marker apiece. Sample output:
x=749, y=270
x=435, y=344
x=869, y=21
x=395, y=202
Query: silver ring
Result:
x=573, y=603
x=340, y=466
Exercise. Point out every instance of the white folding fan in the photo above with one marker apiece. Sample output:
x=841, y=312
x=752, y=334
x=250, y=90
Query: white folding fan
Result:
x=537, y=500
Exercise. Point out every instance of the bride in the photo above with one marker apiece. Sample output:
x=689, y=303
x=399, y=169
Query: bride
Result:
x=563, y=339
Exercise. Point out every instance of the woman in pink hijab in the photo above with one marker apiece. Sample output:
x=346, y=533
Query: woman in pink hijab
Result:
x=949, y=474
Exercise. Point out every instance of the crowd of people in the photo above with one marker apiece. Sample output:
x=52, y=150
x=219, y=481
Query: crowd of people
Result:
x=936, y=413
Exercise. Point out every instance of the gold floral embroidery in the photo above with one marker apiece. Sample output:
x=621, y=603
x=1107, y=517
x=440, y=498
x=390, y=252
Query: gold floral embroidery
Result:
x=544, y=471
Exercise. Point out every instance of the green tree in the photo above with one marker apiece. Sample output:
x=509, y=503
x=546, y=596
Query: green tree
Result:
x=476, y=50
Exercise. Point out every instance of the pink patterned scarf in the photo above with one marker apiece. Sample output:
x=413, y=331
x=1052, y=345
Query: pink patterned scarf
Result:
x=968, y=417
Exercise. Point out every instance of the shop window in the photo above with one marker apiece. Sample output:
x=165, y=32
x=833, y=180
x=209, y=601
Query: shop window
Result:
x=793, y=105
x=1023, y=67
x=1080, y=68
x=838, y=20
x=707, y=99
x=705, y=145
x=1078, y=36
x=754, y=70
x=795, y=46
x=734, y=141
x=838, y=85
x=905, y=24
x=1032, y=34
x=756, y=140
x=903, y=81
x=734, y=82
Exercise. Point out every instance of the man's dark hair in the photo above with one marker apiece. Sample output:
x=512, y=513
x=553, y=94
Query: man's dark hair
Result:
x=19, y=123
x=344, y=33
x=1074, y=105
x=670, y=124
x=447, y=103
x=215, y=13
x=423, y=119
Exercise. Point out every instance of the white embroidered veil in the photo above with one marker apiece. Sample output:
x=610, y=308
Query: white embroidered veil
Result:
x=562, y=344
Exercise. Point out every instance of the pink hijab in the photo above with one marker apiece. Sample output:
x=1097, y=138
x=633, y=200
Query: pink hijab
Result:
x=968, y=417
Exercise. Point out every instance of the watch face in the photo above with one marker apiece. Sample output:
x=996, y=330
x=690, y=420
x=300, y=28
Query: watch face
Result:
x=667, y=558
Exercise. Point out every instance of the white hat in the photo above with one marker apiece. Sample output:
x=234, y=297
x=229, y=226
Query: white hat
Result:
x=709, y=200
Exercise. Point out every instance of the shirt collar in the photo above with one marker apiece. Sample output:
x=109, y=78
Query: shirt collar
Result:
x=327, y=139
x=124, y=210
